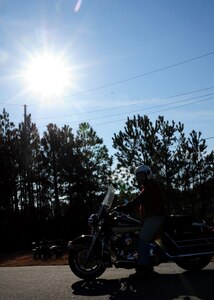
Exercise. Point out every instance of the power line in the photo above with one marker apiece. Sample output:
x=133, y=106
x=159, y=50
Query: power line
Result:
x=195, y=102
x=154, y=112
x=129, y=78
x=10, y=104
x=119, y=81
x=134, y=104
x=211, y=98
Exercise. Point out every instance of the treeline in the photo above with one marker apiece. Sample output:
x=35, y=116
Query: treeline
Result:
x=182, y=164
x=49, y=184
x=43, y=178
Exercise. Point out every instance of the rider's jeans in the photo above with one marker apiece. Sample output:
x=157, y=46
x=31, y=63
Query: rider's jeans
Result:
x=150, y=227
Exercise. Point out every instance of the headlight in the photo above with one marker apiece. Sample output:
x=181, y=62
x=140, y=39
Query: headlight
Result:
x=93, y=220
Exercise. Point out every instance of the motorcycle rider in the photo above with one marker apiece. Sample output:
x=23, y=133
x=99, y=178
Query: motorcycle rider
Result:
x=152, y=200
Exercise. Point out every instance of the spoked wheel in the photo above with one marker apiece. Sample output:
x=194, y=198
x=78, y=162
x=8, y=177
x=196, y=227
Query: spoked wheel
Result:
x=90, y=270
x=194, y=263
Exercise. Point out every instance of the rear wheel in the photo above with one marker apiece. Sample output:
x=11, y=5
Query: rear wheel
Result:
x=90, y=270
x=194, y=263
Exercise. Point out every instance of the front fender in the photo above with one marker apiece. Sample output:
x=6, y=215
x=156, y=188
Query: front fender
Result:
x=80, y=242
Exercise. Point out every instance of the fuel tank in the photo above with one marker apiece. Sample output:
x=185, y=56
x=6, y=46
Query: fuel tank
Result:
x=125, y=223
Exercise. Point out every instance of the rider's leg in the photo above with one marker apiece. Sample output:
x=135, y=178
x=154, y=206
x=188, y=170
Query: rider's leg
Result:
x=150, y=227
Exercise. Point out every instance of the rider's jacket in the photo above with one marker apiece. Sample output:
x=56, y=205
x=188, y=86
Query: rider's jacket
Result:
x=152, y=200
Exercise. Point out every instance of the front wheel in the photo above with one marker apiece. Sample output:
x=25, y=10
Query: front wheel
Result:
x=194, y=263
x=94, y=267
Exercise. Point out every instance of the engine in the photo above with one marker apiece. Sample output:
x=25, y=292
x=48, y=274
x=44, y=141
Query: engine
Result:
x=125, y=245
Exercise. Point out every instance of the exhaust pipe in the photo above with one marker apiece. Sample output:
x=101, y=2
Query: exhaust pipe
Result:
x=172, y=257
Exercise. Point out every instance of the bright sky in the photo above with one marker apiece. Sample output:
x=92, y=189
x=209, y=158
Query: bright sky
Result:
x=100, y=61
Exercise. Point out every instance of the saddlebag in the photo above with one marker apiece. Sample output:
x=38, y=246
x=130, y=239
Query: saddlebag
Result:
x=185, y=237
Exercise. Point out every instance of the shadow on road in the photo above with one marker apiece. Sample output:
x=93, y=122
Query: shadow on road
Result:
x=198, y=285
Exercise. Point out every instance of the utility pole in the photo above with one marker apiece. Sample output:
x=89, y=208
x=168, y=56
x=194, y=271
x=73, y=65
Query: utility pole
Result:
x=25, y=137
x=25, y=118
x=25, y=155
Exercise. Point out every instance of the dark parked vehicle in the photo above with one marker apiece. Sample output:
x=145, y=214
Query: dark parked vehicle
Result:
x=47, y=249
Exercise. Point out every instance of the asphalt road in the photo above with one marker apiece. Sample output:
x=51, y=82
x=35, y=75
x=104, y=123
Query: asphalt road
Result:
x=57, y=282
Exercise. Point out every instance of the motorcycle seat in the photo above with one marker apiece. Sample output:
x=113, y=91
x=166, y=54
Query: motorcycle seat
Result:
x=178, y=222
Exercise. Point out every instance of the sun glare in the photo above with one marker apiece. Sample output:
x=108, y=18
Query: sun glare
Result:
x=47, y=75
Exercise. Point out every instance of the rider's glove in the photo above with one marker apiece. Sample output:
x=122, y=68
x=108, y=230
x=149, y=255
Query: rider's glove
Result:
x=124, y=208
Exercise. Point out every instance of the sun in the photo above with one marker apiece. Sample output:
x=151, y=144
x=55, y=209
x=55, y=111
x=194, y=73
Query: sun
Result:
x=47, y=75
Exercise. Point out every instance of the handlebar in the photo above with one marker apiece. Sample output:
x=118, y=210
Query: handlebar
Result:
x=120, y=209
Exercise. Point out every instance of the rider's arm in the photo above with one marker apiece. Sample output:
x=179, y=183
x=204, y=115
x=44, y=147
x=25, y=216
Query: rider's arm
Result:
x=138, y=200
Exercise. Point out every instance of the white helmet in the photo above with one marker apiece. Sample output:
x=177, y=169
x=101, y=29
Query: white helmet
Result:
x=145, y=170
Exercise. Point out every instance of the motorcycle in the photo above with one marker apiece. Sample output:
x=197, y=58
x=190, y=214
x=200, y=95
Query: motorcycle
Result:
x=114, y=242
x=47, y=249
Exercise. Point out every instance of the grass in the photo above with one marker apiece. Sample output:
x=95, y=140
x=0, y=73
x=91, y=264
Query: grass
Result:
x=19, y=259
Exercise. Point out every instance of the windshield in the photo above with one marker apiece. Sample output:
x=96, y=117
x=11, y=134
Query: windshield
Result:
x=109, y=197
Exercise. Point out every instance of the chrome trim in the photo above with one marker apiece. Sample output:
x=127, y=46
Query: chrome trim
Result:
x=135, y=220
x=118, y=229
x=206, y=240
x=188, y=255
